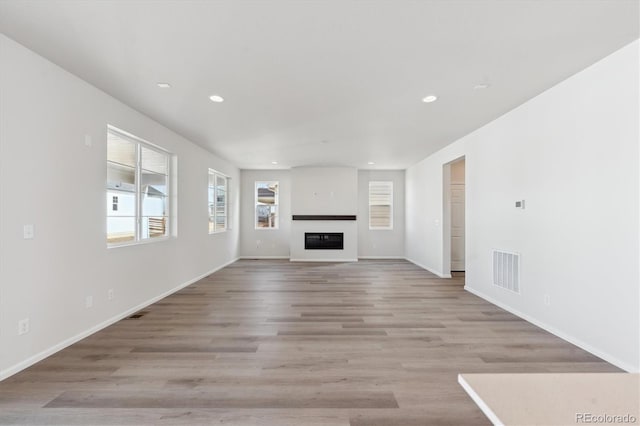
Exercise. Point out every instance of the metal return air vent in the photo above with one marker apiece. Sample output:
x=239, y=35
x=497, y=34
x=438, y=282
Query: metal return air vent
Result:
x=506, y=270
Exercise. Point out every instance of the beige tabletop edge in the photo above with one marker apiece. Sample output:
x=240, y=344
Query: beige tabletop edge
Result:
x=556, y=399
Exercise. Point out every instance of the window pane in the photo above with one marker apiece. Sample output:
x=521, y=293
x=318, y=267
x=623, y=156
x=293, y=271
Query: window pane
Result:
x=124, y=203
x=211, y=224
x=221, y=182
x=266, y=216
x=380, y=205
x=212, y=193
x=221, y=198
x=153, y=205
x=121, y=177
x=120, y=150
x=212, y=179
x=120, y=229
x=267, y=192
x=153, y=227
x=153, y=183
x=380, y=216
x=221, y=223
x=154, y=161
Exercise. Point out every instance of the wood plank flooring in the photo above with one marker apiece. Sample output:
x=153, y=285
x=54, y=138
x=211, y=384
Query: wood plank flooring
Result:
x=280, y=343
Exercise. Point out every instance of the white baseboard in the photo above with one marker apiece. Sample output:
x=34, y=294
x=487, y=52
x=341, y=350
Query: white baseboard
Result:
x=263, y=257
x=433, y=271
x=70, y=341
x=382, y=257
x=323, y=260
x=587, y=347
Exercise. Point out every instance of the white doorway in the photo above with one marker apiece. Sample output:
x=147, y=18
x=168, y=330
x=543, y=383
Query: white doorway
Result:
x=457, y=192
x=453, y=217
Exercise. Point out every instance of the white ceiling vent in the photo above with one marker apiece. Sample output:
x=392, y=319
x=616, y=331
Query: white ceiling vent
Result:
x=506, y=270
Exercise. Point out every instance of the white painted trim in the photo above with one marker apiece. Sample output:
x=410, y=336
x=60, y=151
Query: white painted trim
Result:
x=382, y=257
x=493, y=418
x=263, y=257
x=574, y=341
x=434, y=272
x=323, y=260
x=16, y=368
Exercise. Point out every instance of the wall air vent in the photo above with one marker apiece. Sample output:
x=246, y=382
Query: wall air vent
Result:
x=506, y=270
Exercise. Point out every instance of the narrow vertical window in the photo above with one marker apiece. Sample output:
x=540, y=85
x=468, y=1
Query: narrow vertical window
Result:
x=218, y=202
x=380, y=205
x=137, y=189
x=266, y=204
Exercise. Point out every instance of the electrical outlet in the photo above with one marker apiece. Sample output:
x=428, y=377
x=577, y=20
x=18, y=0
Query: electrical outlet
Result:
x=111, y=294
x=23, y=326
x=88, y=301
x=547, y=300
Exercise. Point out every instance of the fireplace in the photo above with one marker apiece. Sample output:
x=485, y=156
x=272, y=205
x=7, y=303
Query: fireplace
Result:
x=324, y=241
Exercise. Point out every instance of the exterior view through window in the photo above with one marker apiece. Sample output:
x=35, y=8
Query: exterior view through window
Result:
x=266, y=205
x=137, y=192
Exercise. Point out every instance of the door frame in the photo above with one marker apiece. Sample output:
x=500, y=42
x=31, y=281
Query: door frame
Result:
x=446, y=215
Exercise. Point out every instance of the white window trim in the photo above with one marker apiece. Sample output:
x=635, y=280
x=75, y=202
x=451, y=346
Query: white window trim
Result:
x=380, y=228
x=255, y=206
x=215, y=175
x=138, y=205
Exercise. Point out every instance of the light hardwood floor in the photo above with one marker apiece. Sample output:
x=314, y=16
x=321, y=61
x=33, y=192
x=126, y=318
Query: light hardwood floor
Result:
x=274, y=342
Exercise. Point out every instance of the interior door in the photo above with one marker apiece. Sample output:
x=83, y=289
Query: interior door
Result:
x=457, y=226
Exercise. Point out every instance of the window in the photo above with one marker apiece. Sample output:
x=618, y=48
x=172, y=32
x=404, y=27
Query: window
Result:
x=137, y=189
x=380, y=205
x=266, y=205
x=217, y=202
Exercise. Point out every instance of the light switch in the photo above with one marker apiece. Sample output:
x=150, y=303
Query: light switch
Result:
x=87, y=140
x=520, y=204
x=28, y=232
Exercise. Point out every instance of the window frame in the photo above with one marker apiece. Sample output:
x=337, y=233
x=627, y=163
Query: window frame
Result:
x=139, y=144
x=216, y=174
x=276, y=204
x=381, y=228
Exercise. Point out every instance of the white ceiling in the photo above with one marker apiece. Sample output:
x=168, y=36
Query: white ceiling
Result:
x=323, y=82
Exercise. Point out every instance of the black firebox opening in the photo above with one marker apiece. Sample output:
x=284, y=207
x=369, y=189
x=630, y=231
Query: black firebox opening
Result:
x=323, y=241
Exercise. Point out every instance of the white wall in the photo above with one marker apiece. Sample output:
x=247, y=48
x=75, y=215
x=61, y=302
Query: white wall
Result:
x=264, y=243
x=324, y=190
x=424, y=209
x=49, y=178
x=381, y=243
x=572, y=154
x=261, y=243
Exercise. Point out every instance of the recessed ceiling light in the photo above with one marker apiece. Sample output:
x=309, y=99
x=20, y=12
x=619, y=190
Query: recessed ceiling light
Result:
x=481, y=86
x=216, y=98
x=371, y=163
x=429, y=98
x=164, y=85
x=274, y=162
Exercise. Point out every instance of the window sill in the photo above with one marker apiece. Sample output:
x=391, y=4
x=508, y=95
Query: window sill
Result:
x=141, y=242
